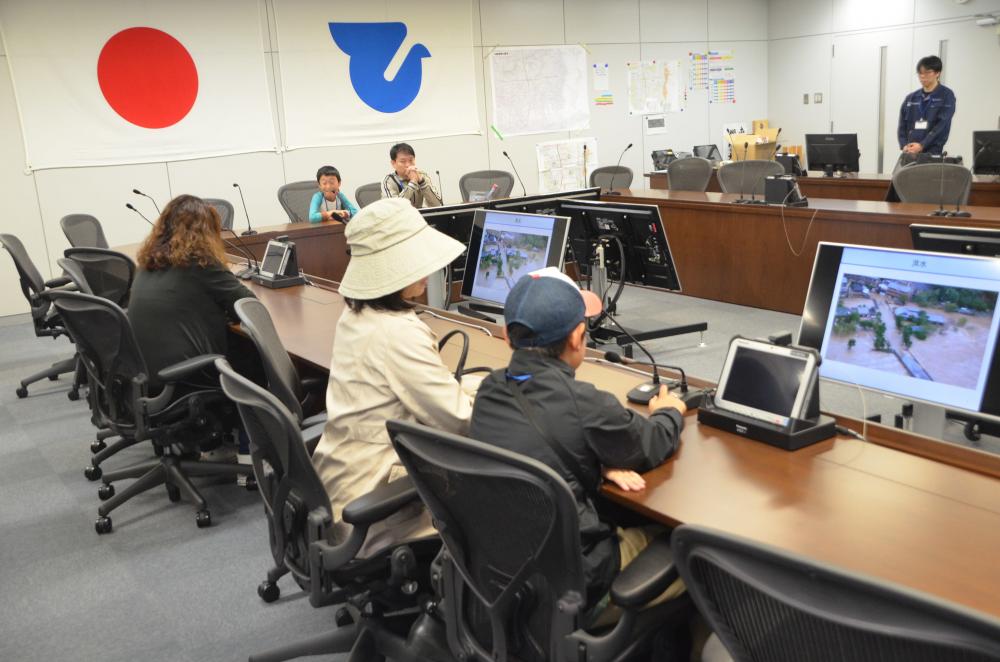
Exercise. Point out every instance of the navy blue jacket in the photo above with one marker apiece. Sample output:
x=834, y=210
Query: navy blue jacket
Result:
x=592, y=426
x=937, y=108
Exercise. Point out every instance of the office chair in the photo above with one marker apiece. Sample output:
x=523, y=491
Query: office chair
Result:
x=295, y=198
x=367, y=194
x=691, y=174
x=482, y=181
x=382, y=592
x=933, y=183
x=513, y=579
x=747, y=177
x=766, y=604
x=46, y=321
x=107, y=274
x=283, y=379
x=225, y=209
x=180, y=420
x=619, y=176
x=83, y=230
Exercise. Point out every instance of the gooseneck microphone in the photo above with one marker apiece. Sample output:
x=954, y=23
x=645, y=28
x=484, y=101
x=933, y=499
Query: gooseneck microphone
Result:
x=643, y=393
x=138, y=192
x=958, y=213
x=940, y=211
x=128, y=205
x=614, y=173
x=440, y=186
x=253, y=266
x=249, y=231
x=523, y=191
x=743, y=172
x=758, y=180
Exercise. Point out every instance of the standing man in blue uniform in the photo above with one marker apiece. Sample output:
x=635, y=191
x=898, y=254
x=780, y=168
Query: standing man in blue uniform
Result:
x=925, y=118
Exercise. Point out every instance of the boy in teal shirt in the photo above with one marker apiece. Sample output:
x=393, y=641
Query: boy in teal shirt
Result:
x=329, y=204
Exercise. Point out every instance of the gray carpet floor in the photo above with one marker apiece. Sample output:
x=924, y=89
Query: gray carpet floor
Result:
x=158, y=588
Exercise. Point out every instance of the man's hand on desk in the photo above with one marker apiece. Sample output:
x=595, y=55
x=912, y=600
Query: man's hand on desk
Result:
x=666, y=399
x=627, y=480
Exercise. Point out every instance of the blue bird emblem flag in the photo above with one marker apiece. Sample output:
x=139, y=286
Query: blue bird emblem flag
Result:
x=371, y=47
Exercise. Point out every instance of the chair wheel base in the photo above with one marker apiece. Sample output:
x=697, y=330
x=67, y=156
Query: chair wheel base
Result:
x=343, y=618
x=93, y=473
x=97, y=446
x=73, y=395
x=268, y=591
x=203, y=519
x=22, y=392
x=173, y=493
x=105, y=492
x=102, y=525
x=53, y=378
x=251, y=484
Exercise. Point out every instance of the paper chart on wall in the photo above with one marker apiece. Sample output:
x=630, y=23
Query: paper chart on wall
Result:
x=564, y=165
x=539, y=89
x=721, y=77
x=655, y=87
x=697, y=71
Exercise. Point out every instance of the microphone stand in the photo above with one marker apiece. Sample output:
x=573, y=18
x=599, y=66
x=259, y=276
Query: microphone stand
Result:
x=940, y=211
x=138, y=192
x=440, y=186
x=524, y=193
x=128, y=205
x=958, y=213
x=253, y=267
x=249, y=231
x=614, y=173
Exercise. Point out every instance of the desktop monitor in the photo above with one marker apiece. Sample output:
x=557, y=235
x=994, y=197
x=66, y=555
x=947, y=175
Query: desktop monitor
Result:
x=545, y=203
x=456, y=222
x=956, y=239
x=832, y=152
x=648, y=260
x=710, y=152
x=505, y=246
x=986, y=152
x=915, y=324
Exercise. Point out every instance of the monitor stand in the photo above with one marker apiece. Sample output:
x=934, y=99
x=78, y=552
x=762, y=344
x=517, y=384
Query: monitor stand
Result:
x=478, y=311
x=939, y=422
x=608, y=333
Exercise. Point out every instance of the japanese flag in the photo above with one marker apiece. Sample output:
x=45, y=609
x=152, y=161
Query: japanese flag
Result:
x=112, y=82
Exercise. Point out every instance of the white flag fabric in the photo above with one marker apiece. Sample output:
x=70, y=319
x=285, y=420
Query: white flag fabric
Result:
x=117, y=81
x=375, y=71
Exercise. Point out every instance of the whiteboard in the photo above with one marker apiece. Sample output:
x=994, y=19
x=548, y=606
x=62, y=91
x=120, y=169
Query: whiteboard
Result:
x=539, y=89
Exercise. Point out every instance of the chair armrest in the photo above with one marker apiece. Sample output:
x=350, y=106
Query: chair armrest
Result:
x=380, y=502
x=58, y=282
x=311, y=436
x=646, y=577
x=187, y=367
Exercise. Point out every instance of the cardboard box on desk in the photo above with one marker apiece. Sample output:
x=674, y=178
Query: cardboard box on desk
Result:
x=757, y=146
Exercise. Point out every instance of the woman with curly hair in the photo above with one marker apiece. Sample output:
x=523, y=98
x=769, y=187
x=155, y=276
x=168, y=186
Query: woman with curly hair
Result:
x=183, y=295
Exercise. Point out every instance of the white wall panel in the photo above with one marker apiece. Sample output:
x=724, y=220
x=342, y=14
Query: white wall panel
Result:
x=797, y=67
x=522, y=22
x=866, y=14
x=795, y=18
x=737, y=20
x=673, y=20
x=19, y=215
x=601, y=22
x=932, y=10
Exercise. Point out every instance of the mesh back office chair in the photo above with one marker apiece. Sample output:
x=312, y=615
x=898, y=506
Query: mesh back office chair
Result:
x=295, y=198
x=45, y=319
x=513, y=578
x=691, y=174
x=482, y=181
x=747, y=177
x=367, y=194
x=296, y=394
x=300, y=534
x=765, y=604
x=933, y=183
x=619, y=176
x=179, y=421
x=83, y=230
x=226, y=211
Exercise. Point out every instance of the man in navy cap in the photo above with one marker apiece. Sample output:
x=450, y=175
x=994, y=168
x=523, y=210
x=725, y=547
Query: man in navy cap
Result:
x=537, y=402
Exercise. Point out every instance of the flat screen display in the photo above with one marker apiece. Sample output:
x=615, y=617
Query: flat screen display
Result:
x=275, y=256
x=921, y=325
x=508, y=245
x=765, y=381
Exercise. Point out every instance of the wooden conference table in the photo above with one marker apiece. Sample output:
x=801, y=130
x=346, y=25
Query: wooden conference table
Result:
x=866, y=507
x=864, y=186
x=762, y=255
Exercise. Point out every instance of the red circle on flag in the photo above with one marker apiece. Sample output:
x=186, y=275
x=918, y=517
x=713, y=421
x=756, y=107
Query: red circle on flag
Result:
x=147, y=77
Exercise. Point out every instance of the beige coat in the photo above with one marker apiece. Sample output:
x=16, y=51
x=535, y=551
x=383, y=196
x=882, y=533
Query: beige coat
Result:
x=385, y=365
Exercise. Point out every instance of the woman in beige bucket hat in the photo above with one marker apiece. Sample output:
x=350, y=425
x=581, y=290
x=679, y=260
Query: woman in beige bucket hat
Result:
x=385, y=364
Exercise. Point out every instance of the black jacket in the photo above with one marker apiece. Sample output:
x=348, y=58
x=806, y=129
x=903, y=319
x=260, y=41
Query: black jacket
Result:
x=590, y=424
x=937, y=109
